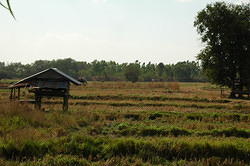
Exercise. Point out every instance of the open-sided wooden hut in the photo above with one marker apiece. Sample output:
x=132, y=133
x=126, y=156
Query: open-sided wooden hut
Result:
x=48, y=83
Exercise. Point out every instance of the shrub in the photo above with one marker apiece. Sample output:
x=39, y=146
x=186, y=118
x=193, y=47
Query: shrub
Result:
x=195, y=117
x=122, y=126
x=82, y=122
x=65, y=161
x=122, y=147
x=27, y=150
x=84, y=147
x=153, y=131
x=60, y=160
x=132, y=116
x=9, y=151
x=111, y=117
x=179, y=132
x=155, y=116
x=235, y=117
x=231, y=132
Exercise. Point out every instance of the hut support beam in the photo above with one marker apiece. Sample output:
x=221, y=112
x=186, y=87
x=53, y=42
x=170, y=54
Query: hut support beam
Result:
x=11, y=94
x=65, y=103
x=18, y=94
x=14, y=93
x=38, y=101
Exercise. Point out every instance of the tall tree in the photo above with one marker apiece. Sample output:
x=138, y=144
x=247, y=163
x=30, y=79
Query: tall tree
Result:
x=132, y=72
x=225, y=29
x=186, y=71
x=160, y=69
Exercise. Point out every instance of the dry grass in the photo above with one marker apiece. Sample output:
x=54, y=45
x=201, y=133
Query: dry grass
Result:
x=143, y=114
x=175, y=86
x=22, y=110
x=173, y=89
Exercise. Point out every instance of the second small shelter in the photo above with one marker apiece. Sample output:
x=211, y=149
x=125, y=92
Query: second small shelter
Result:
x=48, y=83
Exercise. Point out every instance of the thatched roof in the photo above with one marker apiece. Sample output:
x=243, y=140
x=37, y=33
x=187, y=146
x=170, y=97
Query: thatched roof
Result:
x=51, y=74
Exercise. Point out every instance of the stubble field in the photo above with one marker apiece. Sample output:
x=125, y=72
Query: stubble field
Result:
x=128, y=124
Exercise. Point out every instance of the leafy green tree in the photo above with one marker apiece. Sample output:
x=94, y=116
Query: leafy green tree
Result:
x=40, y=65
x=3, y=72
x=113, y=71
x=148, y=72
x=132, y=72
x=160, y=69
x=169, y=72
x=186, y=71
x=225, y=29
x=68, y=65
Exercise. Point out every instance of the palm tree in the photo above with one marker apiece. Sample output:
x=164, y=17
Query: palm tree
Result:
x=8, y=7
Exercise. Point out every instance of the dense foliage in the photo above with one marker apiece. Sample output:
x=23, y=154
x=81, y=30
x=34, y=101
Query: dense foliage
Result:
x=108, y=71
x=132, y=72
x=225, y=29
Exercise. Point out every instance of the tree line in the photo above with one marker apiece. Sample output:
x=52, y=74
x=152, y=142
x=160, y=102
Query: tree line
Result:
x=188, y=71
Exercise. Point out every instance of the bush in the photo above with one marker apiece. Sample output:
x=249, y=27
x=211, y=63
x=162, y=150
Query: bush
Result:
x=84, y=147
x=152, y=131
x=28, y=150
x=132, y=116
x=231, y=132
x=174, y=150
x=59, y=160
x=65, y=161
x=123, y=147
x=179, y=132
x=155, y=116
x=195, y=117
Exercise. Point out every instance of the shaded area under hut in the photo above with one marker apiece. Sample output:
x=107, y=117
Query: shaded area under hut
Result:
x=48, y=83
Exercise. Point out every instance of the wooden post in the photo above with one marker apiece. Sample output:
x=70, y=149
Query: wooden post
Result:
x=18, y=94
x=66, y=99
x=65, y=103
x=221, y=92
x=14, y=93
x=11, y=94
x=38, y=101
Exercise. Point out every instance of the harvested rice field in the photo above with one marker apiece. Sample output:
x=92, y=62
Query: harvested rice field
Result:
x=127, y=124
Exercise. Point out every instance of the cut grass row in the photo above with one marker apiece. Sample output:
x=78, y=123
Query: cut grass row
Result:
x=143, y=104
x=13, y=127
x=150, y=104
x=17, y=115
x=96, y=149
x=183, y=116
x=69, y=160
x=128, y=129
x=153, y=98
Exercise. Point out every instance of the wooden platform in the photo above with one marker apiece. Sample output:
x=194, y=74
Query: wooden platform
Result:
x=241, y=93
x=27, y=101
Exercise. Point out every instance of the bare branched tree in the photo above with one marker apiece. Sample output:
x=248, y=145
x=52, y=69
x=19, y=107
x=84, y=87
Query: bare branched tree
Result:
x=8, y=7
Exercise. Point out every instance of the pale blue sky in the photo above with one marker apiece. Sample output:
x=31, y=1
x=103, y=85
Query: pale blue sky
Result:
x=85, y=30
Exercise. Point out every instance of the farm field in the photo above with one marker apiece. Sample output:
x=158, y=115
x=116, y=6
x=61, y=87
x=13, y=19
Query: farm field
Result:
x=128, y=124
